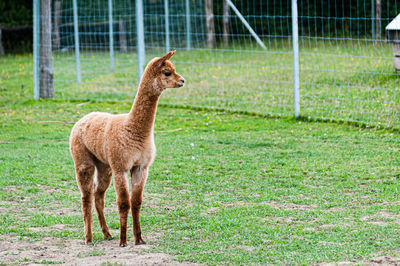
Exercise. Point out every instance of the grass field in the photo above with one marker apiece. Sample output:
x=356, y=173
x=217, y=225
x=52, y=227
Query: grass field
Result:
x=227, y=189
x=348, y=81
x=339, y=81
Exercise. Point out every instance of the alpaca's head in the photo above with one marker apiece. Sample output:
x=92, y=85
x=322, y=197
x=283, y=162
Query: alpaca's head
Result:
x=160, y=72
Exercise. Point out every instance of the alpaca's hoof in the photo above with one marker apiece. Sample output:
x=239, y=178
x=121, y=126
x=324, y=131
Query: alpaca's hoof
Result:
x=88, y=242
x=141, y=242
x=108, y=237
x=123, y=245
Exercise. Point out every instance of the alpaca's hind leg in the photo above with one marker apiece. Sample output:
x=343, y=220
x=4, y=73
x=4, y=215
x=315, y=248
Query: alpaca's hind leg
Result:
x=102, y=183
x=84, y=168
x=122, y=190
x=84, y=176
x=138, y=180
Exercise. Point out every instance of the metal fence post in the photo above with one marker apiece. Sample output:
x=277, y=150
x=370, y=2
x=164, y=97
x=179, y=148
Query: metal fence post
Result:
x=140, y=37
x=36, y=44
x=166, y=12
x=188, y=39
x=76, y=34
x=111, y=34
x=296, y=81
x=247, y=25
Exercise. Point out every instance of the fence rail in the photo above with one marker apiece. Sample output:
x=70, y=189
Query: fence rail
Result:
x=321, y=59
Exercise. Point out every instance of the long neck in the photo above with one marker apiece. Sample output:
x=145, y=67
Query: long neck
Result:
x=143, y=112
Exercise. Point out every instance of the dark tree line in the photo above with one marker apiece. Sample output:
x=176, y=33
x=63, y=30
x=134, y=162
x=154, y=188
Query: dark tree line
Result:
x=15, y=25
x=316, y=18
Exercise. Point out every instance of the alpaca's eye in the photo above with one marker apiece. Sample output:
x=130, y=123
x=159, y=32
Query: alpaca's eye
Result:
x=167, y=74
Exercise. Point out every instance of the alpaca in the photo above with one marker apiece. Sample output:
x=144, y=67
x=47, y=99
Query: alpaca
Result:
x=119, y=145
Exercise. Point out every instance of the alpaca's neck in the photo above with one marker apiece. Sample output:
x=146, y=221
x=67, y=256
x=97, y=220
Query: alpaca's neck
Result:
x=143, y=113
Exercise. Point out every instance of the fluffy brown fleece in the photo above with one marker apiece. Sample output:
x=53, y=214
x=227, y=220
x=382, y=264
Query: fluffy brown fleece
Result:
x=119, y=146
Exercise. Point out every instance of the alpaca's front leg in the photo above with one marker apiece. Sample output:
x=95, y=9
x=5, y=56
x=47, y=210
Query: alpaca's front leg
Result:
x=139, y=177
x=121, y=188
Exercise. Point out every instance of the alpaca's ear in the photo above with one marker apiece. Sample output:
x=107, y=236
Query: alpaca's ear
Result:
x=168, y=56
x=160, y=61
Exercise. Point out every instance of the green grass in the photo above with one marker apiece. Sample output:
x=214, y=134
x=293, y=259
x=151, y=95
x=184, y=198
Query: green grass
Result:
x=94, y=252
x=48, y=262
x=227, y=189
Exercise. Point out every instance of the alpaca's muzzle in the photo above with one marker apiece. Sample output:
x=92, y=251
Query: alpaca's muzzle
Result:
x=180, y=83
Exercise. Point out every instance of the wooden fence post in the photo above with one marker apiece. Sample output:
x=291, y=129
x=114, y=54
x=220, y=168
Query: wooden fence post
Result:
x=210, y=24
x=46, y=61
x=122, y=36
x=225, y=26
x=56, y=25
x=378, y=13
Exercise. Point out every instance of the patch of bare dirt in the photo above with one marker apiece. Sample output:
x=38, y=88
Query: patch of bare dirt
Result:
x=336, y=209
x=49, y=189
x=382, y=218
x=326, y=243
x=280, y=220
x=11, y=188
x=291, y=206
x=341, y=263
x=48, y=209
x=211, y=210
x=244, y=247
x=75, y=252
x=384, y=260
x=276, y=205
x=393, y=259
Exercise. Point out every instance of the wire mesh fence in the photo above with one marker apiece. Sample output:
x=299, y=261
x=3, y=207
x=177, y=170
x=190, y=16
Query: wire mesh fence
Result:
x=236, y=55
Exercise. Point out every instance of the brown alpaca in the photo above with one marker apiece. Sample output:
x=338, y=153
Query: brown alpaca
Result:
x=119, y=145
